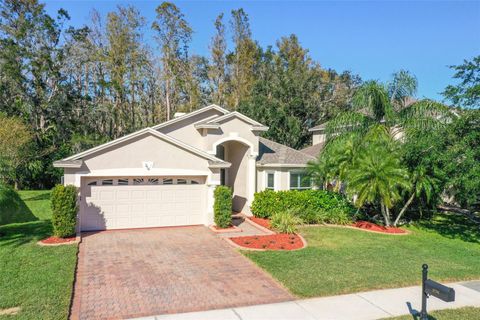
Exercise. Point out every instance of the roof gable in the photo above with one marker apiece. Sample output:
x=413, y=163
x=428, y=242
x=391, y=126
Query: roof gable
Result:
x=215, y=122
x=190, y=114
x=73, y=161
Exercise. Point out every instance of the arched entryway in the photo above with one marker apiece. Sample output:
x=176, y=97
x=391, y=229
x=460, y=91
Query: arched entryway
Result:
x=238, y=176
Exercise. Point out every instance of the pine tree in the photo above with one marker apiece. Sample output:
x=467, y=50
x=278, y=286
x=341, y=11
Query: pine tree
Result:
x=217, y=70
x=173, y=36
x=244, y=58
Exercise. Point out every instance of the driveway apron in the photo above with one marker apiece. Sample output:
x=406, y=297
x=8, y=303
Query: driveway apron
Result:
x=135, y=273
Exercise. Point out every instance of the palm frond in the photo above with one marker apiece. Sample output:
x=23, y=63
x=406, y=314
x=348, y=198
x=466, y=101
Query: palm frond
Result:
x=403, y=86
x=347, y=123
x=424, y=115
x=372, y=99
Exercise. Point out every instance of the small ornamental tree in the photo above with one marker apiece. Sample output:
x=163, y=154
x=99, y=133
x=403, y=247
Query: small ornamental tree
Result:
x=64, y=210
x=222, y=207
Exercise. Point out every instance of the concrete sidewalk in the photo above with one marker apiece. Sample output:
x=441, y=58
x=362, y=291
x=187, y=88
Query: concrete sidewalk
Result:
x=364, y=305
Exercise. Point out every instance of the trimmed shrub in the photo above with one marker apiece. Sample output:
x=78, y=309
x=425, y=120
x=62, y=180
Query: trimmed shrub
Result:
x=64, y=210
x=338, y=216
x=12, y=207
x=313, y=216
x=222, y=207
x=265, y=204
x=312, y=206
x=286, y=221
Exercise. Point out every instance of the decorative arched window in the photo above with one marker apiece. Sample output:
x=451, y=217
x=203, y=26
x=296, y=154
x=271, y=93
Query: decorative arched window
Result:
x=153, y=181
x=167, y=181
x=142, y=181
x=137, y=181
x=122, y=182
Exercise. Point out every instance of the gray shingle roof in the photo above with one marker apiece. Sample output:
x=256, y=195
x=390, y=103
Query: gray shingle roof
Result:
x=314, y=150
x=271, y=152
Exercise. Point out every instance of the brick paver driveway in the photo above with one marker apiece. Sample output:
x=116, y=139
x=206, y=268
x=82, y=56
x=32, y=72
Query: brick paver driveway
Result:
x=133, y=273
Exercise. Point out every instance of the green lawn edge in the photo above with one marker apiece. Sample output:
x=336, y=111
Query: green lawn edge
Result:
x=39, y=280
x=341, y=260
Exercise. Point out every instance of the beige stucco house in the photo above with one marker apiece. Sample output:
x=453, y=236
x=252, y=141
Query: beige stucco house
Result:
x=165, y=175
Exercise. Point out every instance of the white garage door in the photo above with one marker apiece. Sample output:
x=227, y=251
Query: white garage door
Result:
x=120, y=203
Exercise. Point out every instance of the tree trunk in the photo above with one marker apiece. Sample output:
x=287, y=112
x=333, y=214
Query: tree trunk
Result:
x=167, y=98
x=132, y=105
x=385, y=214
x=404, y=209
x=338, y=185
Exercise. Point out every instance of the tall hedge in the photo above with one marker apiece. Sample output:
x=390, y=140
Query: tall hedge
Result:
x=222, y=207
x=64, y=210
x=268, y=202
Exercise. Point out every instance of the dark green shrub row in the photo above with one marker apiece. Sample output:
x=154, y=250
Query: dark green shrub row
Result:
x=222, y=207
x=312, y=206
x=64, y=210
x=333, y=215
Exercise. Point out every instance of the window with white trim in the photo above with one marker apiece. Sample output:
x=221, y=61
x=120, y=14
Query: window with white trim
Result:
x=270, y=181
x=299, y=181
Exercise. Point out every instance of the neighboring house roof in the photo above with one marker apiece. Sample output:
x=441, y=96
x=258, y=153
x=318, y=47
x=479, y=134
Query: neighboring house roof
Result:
x=73, y=161
x=273, y=154
x=320, y=127
x=190, y=114
x=314, y=150
x=214, y=122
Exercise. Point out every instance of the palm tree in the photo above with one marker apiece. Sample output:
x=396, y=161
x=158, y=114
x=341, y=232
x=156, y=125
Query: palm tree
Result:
x=402, y=88
x=335, y=166
x=380, y=117
x=375, y=103
x=377, y=177
x=423, y=185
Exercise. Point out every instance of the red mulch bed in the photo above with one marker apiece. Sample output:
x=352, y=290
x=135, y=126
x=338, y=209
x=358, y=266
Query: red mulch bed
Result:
x=375, y=227
x=262, y=222
x=270, y=242
x=56, y=240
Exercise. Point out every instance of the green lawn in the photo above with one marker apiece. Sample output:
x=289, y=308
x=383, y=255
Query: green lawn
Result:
x=39, y=202
x=340, y=260
x=467, y=313
x=36, y=279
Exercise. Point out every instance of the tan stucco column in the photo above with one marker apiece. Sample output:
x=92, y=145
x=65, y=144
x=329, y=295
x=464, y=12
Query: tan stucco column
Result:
x=212, y=182
x=252, y=180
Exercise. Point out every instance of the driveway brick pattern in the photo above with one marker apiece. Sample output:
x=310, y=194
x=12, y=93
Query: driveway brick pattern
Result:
x=135, y=273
